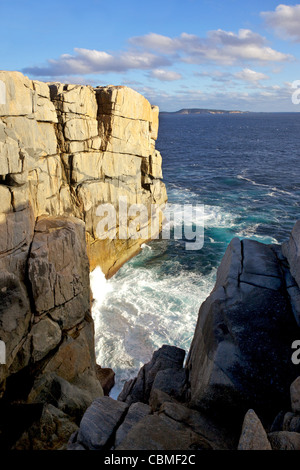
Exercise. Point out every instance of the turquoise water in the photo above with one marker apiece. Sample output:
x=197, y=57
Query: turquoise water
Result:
x=245, y=170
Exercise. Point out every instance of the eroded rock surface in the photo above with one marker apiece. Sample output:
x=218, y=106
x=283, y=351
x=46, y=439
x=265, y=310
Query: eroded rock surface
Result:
x=240, y=356
x=65, y=150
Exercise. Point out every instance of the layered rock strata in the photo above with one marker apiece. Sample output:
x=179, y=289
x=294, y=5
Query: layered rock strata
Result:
x=65, y=151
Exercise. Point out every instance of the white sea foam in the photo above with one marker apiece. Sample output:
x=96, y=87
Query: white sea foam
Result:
x=281, y=191
x=140, y=309
x=212, y=216
x=153, y=300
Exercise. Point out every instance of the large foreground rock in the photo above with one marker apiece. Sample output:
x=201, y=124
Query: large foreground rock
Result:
x=156, y=433
x=139, y=389
x=240, y=357
x=100, y=422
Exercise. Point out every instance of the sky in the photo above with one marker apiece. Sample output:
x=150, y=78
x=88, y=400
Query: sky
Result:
x=218, y=54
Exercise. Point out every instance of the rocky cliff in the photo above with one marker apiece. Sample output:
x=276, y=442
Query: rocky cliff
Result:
x=65, y=150
x=239, y=388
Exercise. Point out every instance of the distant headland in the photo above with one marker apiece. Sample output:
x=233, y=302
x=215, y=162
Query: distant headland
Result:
x=203, y=111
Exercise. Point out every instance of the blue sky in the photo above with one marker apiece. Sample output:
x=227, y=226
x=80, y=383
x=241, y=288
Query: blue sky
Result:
x=226, y=54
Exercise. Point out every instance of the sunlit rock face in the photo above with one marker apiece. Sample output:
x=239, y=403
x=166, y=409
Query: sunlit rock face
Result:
x=64, y=151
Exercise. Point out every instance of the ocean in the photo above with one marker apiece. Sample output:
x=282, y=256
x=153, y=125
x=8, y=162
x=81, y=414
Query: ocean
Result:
x=245, y=170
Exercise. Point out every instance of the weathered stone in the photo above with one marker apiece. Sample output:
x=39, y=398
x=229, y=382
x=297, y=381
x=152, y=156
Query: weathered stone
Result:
x=52, y=389
x=291, y=422
x=5, y=198
x=100, y=422
x=75, y=360
x=73, y=444
x=46, y=335
x=15, y=317
x=50, y=432
x=236, y=350
x=75, y=99
x=173, y=382
x=85, y=166
x=158, y=398
x=33, y=135
x=53, y=167
x=136, y=412
x=167, y=357
x=19, y=94
x=253, y=436
x=16, y=231
x=59, y=268
x=53, y=138
x=295, y=395
x=155, y=433
x=277, y=424
x=284, y=440
x=81, y=129
x=219, y=436
x=44, y=109
x=125, y=102
x=106, y=377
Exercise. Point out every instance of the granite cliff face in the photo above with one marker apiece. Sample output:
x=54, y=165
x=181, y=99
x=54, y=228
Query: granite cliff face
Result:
x=65, y=149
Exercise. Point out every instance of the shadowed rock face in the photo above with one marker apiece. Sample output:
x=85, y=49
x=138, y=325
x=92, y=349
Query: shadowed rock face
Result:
x=238, y=373
x=148, y=415
x=240, y=356
x=65, y=149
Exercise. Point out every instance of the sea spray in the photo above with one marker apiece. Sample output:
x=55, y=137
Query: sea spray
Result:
x=151, y=301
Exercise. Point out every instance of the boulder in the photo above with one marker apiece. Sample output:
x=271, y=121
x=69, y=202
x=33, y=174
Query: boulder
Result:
x=75, y=360
x=138, y=390
x=160, y=433
x=45, y=336
x=217, y=434
x=295, y=395
x=106, y=377
x=50, y=432
x=136, y=413
x=253, y=436
x=100, y=422
x=173, y=382
x=291, y=422
x=59, y=269
x=52, y=389
x=284, y=440
x=240, y=354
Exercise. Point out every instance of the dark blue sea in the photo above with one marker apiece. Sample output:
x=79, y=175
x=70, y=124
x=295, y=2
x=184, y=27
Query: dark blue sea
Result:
x=245, y=170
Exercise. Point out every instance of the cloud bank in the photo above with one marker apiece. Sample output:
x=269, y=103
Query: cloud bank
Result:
x=154, y=52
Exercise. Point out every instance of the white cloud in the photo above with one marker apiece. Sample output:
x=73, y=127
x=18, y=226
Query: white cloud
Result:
x=285, y=21
x=249, y=75
x=151, y=52
x=221, y=47
x=156, y=42
x=165, y=75
x=87, y=61
x=273, y=98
